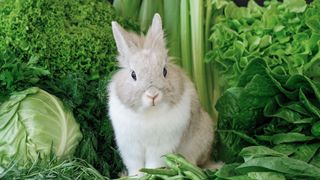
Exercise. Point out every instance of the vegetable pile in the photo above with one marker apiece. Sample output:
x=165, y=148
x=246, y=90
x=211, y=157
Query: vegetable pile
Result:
x=267, y=71
x=269, y=112
x=67, y=49
x=178, y=168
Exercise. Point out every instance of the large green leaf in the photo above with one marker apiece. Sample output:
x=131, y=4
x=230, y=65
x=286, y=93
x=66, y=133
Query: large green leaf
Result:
x=285, y=165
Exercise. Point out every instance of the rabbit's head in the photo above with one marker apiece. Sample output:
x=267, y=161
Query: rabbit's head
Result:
x=146, y=78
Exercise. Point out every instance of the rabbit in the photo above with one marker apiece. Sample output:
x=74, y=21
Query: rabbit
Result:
x=153, y=105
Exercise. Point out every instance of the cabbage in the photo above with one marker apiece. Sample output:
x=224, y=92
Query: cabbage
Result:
x=33, y=124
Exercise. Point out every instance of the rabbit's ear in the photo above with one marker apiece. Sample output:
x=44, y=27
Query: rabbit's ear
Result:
x=155, y=35
x=121, y=37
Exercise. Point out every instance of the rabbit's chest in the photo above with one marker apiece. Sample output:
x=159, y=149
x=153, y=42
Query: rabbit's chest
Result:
x=161, y=125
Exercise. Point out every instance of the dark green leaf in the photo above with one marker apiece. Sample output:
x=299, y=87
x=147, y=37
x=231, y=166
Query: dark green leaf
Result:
x=251, y=152
x=287, y=149
x=305, y=152
x=290, y=137
x=227, y=171
x=316, y=160
x=285, y=165
x=315, y=130
x=241, y=135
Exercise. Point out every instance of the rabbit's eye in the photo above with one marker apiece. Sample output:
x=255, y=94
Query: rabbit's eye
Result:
x=164, y=72
x=133, y=75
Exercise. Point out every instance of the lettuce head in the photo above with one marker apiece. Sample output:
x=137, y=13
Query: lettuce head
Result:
x=33, y=124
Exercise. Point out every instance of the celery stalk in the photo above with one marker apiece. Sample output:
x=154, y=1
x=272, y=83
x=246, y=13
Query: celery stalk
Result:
x=186, y=56
x=172, y=28
x=197, y=37
x=127, y=8
x=147, y=11
x=208, y=66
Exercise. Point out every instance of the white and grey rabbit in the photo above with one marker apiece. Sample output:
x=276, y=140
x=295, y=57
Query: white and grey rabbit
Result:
x=153, y=105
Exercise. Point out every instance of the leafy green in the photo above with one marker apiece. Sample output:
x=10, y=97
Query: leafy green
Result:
x=284, y=165
x=287, y=138
x=315, y=130
x=67, y=49
x=51, y=168
x=261, y=162
x=284, y=34
x=34, y=123
x=267, y=60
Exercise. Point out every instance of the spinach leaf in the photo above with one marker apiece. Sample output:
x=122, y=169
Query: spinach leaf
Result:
x=288, y=166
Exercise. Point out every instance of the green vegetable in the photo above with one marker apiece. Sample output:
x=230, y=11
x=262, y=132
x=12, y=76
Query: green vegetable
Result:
x=284, y=34
x=242, y=109
x=185, y=40
x=315, y=130
x=197, y=49
x=266, y=175
x=159, y=171
x=67, y=49
x=184, y=165
x=33, y=124
x=280, y=164
x=172, y=26
x=266, y=60
x=147, y=10
x=51, y=168
x=178, y=168
x=127, y=8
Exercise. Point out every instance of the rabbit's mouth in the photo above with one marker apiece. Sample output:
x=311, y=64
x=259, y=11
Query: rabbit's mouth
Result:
x=152, y=97
x=152, y=101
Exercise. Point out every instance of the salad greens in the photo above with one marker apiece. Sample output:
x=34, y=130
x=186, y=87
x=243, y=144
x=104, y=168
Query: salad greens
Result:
x=268, y=62
x=33, y=124
x=284, y=34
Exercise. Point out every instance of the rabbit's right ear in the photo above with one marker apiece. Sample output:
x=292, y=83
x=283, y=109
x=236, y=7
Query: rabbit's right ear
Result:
x=122, y=39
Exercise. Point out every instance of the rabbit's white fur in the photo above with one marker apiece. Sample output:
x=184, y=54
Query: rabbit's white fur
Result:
x=155, y=113
x=143, y=138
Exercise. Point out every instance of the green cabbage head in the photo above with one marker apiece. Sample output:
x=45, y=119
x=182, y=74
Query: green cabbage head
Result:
x=35, y=123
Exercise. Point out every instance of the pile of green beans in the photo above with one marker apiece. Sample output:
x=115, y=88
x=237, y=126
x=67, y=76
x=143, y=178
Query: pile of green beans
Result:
x=178, y=169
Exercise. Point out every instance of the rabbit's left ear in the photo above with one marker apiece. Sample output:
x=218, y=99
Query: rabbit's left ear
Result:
x=121, y=38
x=155, y=35
x=126, y=42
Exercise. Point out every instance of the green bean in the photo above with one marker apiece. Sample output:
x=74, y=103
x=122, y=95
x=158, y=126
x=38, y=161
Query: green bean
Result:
x=178, y=177
x=191, y=175
x=168, y=172
x=173, y=165
x=184, y=165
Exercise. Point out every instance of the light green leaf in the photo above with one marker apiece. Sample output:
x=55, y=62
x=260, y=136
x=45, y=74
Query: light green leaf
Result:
x=297, y=6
